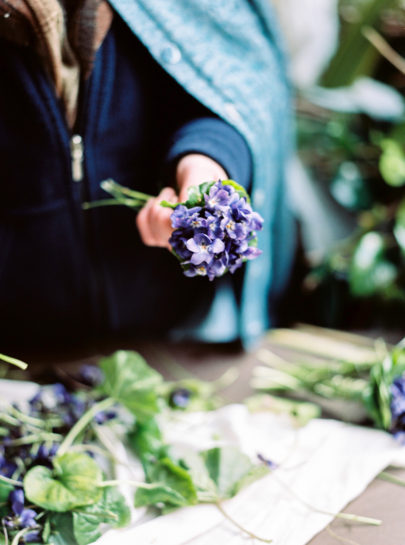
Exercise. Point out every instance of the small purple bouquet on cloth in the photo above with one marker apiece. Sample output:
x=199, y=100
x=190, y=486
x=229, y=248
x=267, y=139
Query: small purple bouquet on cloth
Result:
x=371, y=376
x=215, y=229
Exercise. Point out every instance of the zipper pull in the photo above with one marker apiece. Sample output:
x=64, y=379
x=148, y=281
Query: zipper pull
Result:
x=77, y=155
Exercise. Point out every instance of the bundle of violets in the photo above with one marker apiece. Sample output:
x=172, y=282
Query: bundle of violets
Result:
x=374, y=377
x=55, y=467
x=215, y=229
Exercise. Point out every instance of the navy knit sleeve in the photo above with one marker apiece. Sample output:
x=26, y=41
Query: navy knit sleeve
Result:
x=218, y=140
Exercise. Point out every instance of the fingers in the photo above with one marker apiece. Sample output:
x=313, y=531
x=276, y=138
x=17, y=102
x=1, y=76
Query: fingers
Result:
x=153, y=221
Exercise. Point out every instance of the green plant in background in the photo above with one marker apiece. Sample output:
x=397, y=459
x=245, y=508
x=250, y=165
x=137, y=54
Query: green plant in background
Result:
x=361, y=160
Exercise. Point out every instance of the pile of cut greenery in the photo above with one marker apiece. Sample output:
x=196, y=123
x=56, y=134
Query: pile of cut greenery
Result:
x=55, y=473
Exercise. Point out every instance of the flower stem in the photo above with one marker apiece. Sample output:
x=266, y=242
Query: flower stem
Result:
x=131, y=203
x=117, y=190
x=35, y=438
x=239, y=526
x=14, y=361
x=137, y=484
x=21, y=533
x=345, y=516
x=11, y=482
x=391, y=478
x=83, y=422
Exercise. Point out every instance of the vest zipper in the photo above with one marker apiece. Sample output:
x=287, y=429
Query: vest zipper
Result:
x=77, y=157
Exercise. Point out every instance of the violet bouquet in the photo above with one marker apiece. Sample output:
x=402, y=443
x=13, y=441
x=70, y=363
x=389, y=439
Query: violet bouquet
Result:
x=373, y=378
x=215, y=229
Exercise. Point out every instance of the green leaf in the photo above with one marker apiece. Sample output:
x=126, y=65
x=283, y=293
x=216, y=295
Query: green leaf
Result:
x=230, y=470
x=5, y=490
x=61, y=529
x=194, y=197
x=147, y=441
x=73, y=482
x=370, y=273
x=130, y=381
x=176, y=488
x=167, y=204
x=194, y=463
x=111, y=509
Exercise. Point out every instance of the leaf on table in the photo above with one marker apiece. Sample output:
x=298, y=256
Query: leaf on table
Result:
x=130, y=381
x=194, y=463
x=175, y=487
x=147, y=441
x=73, y=482
x=61, y=529
x=230, y=470
x=111, y=509
x=5, y=490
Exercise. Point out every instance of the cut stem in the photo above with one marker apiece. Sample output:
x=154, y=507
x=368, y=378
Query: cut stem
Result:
x=84, y=421
x=137, y=484
x=35, y=438
x=344, y=516
x=21, y=533
x=9, y=481
x=384, y=476
x=239, y=526
x=18, y=363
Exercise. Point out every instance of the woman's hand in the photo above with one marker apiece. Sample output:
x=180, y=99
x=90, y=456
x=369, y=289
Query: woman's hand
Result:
x=153, y=221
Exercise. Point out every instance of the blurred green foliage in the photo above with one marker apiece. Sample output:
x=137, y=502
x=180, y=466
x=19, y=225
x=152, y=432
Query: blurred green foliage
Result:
x=361, y=161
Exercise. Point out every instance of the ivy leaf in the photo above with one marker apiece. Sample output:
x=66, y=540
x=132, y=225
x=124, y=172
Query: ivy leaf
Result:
x=230, y=470
x=72, y=483
x=130, y=381
x=175, y=487
x=111, y=509
x=61, y=529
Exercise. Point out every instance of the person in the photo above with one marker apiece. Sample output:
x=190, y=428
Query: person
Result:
x=152, y=94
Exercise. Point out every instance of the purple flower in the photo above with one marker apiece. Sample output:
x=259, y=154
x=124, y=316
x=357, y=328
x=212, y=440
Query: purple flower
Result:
x=217, y=237
x=21, y=518
x=16, y=499
x=180, y=398
x=90, y=375
x=203, y=248
x=219, y=195
x=269, y=463
x=398, y=406
x=183, y=217
x=234, y=229
x=7, y=467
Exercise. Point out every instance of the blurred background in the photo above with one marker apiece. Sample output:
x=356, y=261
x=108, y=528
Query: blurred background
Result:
x=347, y=64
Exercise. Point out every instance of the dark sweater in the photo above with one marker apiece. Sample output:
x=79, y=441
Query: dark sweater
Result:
x=65, y=274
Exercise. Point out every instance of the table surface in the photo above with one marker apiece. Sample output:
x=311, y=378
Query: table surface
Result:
x=381, y=500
